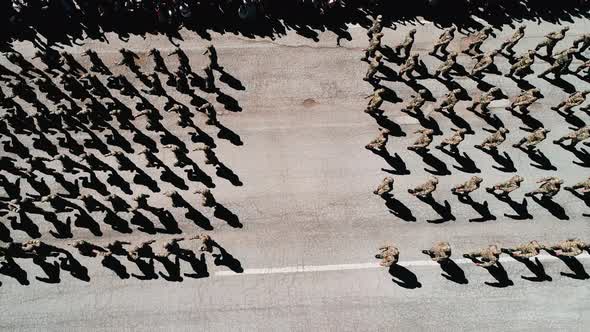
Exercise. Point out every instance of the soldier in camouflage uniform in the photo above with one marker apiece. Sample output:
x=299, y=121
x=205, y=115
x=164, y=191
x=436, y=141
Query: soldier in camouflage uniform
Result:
x=141, y=249
x=375, y=102
x=374, y=66
x=509, y=44
x=468, y=187
x=477, y=40
x=583, y=66
x=206, y=243
x=423, y=141
x=379, y=143
x=389, y=255
x=573, y=100
x=212, y=55
x=207, y=198
x=525, y=100
x=153, y=118
x=210, y=157
x=123, y=163
x=549, y=187
x=374, y=46
x=534, y=138
x=561, y=63
x=451, y=99
x=483, y=62
x=179, y=155
x=575, y=136
x=522, y=64
x=169, y=247
x=584, y=185
x=584, y=40
x=443, y=41
x=409, y=66
x=385, y=187
x=160, y=66
x=440, y=252
x=376, y=27
x=485, y=257
x=506, y=187
x=568, y=248
x=526, y=250
x=406, y=45
x=447, y=65
x=128, y=58
x=551, y=40
x=86, y=248
x=494, y=140
x=140, y=202
x=425, y=189
x=454, y=140
x=210, y=112
x=415, y=104
x=485, y=100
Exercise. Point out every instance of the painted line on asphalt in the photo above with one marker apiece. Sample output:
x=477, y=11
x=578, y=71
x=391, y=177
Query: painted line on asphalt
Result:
x=365, y=266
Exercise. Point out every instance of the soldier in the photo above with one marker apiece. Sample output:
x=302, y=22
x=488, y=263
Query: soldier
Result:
x=140, y=202
x=477, y=40
x=209, y=79
x=525, y=100
x=156, y=88
x=207, y=198
x=86, y=248
x=152, y=160
x=422, y=143
x=561, y=63
x=485, y=257
x=128, y=58
x=451, y=99
x=375, y=102
x=179, y=155
x=409, y=66
x=468, y=187
x=526, y=250
x=183, y=113
x=74, y=66
x=549, y=187
x=506, y=187
x=551, y=40
x=212, y=54
x=425, y=189
x=415, y=104
x=182, y=84
x=584, y=185
x=210, y=112
x=379, y=143
x=522, y=64
x=575, y=136
x=575, y=99
x=484, y=61
x=568, y=248
x=494, y=140
x=389, y=255
x=184, y=63
x=374, y=46
x=443, y=41
x=454, y=140
x=534, y=138
x=583, y=66
x=446, y=66
x=440, y=252
x=169, y=247
x=407, y=44
x=153, y=118
x=376, y=27
x=385, y=187
x=50, y=58
x=485, y=100
x=206, y=243
x=374, y=66
x=210, y=157
x=509, y=44
x=160, y=65
x=141, y=249
x=584, y=40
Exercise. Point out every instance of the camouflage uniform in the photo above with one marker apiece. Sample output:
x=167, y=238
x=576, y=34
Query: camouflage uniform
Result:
x=210, y=157
x=484, y=61
x=168, y=247
x=533, y=139
x=179, y=155
x=477, y=40
x=569, y=248
x=440, y=251
x=561, y=64
x=507, y=187
x=485, y=100
x=575, y=136
x=206, y=243
x=374, y=46
x=380, y=141
x=527, y=250
x=407, y=44
x=584, y=185
x=374, y=66
x=573, y=100
x=416, y=103
x=509, y=44
x=585, y=65
x=468, y=187
x=140, y=202
x=451, y=99
x=153, y=118
x=584, y=40
x=446, y=66
x=376, y=27
x=160, y=66
x=425, y=189
x=207, y=198
x=453, y=140
x=385, y=187
x=522, y=64
x=409, y=66
x=488, y=256
x=389, y=255
x=210, y=112
x=375, y=102
x=140, y=249
x=524, y=100
x=494, y=140
x=86, y=248
x=551, y=40
x=423, y=141
x=549, y=187
x=443, y=41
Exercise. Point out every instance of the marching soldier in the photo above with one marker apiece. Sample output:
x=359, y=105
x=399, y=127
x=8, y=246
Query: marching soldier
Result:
x=477, y=40
x=385, y=187
x=207, y=198
x=485, y=100
x=484, y=61
x=416, y=102
x=583, y=66
x=184, y=64
x=526, y=250
x=140, y=202
x=160, y=66
x=156, y=89
x=584, y=185
x=153, y=118
x=123, y=162
x=454, y=140
x=446, y=66
x=573, y=100
x=141, y=249
x=212, y=54
x=183, y=113
x=575, y=136
x=209, y=79
x=549, y=187
x=86, y=248
x=425, y=189
x=468, y=187
x=443, y=41
x=407, y=44
x=374, y=66
x=376, y=27
x=169, y=247
x=506, y=187
x=179, y=155
x=551, y=40
x=509, y=44
x=152, y=160
x=374, y=46
x=409, y=66
x=485, y=257
x=584, y=40
x=97, y=65
x=375, y=102
x=209, y=110
x=128, y=58
x=494, y=140
x=379, y=143
x=534, y=138
x=389, y=255
x=210, y=157
x=440, y=252
x=522, y=64
x=423, y=141
x=568, y=248
x=561, y=64
x=206, y=243
x=525, y=100
x=451, y=99
x=74, y=66
x=182, y=84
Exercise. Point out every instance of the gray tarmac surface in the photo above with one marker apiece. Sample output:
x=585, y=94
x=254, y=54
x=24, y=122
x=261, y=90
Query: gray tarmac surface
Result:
x=307, y=199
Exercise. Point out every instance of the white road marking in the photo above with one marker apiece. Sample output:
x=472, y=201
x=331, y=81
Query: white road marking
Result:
x=364, y=266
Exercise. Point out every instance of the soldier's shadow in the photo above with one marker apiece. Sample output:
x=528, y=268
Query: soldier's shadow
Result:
x=521, y=209
x=527, y=120
x=572, y=119
x=504, y=160
x=398, y=208
x=542, y=162
x=535, y=267
x=426, y=122
x=453, y=272
x=481, y=208
x=561, y=83
x=466, y=164
x=491, y=119
x=438, y=166
x=458, y=121
x=385, y=122
x=443, y=210
x=585, y=197
x=396, y=162
x=112, y=263
x=582, y=155
x=11, y=269
x=499, y=273
x=555, y=209
x=404, y=277
x=574, y=265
